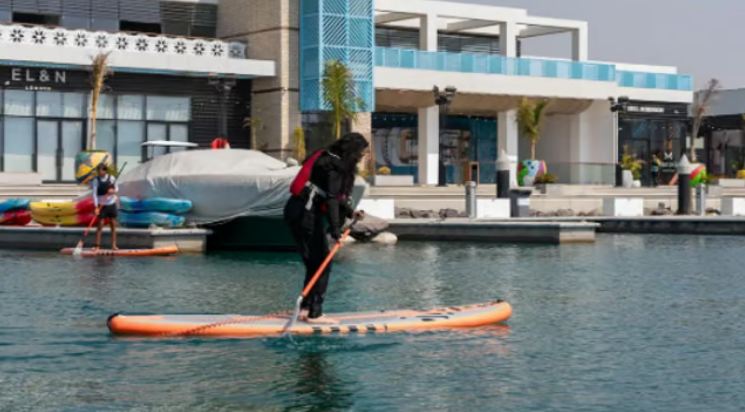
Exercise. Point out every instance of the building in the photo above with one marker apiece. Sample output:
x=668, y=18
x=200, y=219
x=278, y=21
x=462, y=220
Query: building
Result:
x=723, y=132
x=167, y=84
x=267, y=57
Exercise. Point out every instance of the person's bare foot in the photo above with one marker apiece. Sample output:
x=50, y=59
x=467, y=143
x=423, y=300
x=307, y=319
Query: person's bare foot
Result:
x=96, y=248
x=114, y=247
x=303, y=314
x=322, y=320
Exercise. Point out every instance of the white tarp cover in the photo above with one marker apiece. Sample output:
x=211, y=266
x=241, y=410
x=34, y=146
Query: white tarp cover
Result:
x=222, y=184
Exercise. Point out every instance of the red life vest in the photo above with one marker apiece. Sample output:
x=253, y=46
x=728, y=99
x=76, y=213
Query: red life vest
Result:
x=303, y=176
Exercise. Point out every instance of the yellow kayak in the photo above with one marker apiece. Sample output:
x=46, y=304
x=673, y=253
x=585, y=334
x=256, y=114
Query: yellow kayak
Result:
x=53, y=208
x=69, y=220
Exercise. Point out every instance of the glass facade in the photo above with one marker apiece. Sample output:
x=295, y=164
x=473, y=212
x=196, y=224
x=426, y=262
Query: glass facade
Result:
x=468, y=146
x=42, y=131
x=658, y=142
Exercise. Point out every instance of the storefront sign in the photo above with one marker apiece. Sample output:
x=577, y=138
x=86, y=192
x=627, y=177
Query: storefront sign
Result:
x=645, y=109
x=36, y=78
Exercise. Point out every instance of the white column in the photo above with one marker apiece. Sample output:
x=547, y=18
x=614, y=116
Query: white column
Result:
x=508, y=39
x=428, y=32
x=429, y=144
x=507, y=140
x=580, y=44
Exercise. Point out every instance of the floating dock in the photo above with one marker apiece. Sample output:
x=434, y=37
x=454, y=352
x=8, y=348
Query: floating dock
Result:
x=681, y=225
x=56, y=238
x=501, y=231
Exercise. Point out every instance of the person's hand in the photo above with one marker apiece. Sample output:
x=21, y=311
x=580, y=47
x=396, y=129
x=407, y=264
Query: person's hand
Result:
x=335, y=233
x=359, y=215
x=98, y=210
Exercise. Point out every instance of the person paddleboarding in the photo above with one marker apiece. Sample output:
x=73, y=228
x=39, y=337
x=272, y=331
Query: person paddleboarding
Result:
x=319, y=205
x=105, y=200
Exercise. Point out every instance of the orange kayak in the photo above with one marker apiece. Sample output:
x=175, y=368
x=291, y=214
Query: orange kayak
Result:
x=469, y=316
x=160, y=251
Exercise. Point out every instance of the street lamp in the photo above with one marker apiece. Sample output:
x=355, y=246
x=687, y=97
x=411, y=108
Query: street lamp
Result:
x=223, y=87
x=443, y=99
x=616, y=107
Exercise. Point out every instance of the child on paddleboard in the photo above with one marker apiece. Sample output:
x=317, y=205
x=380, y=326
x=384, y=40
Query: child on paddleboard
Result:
x=320, y=203
x=105, y=200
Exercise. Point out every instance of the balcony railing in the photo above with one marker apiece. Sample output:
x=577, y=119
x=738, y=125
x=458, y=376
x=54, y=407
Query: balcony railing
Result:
x=655, y=80
x=123, y=41
x=493, y=64
x=557, y=69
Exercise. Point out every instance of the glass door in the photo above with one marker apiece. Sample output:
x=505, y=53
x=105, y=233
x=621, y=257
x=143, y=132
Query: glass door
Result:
x=72, y=144
x=47, y=149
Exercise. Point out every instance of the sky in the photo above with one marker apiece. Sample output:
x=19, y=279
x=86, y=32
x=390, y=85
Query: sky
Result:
x=704, y=38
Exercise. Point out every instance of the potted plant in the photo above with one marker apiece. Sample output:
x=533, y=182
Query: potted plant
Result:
x=530, y=120
x=632, y=169
x=544, y=180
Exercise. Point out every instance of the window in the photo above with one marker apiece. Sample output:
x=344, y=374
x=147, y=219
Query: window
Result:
x=106, y=136
x=110, y=25
x=19, y=144
x=33, y=18
x=19, y=103
x=173, y=109
x=125, y=25
x=130, y=135
x=130, y=107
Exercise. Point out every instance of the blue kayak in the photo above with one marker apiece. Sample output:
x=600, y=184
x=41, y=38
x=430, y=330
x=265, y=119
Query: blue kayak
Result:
x=155, y=204
x=14, y=204
x=147, y=219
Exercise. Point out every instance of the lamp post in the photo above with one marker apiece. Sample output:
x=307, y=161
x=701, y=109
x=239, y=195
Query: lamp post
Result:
x=443, y=99
x=617, y=107
x=223, y=86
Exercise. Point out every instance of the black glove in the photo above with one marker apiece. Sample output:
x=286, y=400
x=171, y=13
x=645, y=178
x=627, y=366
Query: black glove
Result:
x=335, y=233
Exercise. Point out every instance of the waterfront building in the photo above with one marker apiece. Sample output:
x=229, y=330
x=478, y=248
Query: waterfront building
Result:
x=196, y=69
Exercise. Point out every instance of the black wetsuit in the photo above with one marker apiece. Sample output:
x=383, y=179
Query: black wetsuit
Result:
x=309, y=227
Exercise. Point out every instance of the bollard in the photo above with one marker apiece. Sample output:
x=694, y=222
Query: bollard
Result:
x=471, y=199
x=684, y=186
x=503, y=175
x=701, y=200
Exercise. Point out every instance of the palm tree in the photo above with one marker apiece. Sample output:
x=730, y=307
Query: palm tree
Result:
x=338, y=92
x=99, y=71
x=530, y=120
x=700, y=107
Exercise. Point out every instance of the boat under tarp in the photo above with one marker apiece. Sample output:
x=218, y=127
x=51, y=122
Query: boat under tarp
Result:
x=221, y=184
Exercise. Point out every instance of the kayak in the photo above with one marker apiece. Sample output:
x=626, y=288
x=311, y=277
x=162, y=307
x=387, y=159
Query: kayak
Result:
x=64, y=220
x=63, y=207
x=146, y=219
x=15, y=218
x=13, y=204
x=159, y=251
x=469, y=316
x=155, y=204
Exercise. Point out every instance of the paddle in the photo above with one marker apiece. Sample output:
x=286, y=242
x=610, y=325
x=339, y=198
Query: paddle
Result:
x=79, y=248
x=315, y=278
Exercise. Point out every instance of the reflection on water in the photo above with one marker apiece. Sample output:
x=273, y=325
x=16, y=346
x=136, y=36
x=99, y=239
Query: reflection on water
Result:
x=629, y=323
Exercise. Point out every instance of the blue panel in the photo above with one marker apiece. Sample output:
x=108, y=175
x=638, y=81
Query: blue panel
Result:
x=340, y=30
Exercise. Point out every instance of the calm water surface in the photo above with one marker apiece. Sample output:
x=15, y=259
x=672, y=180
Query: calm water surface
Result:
x=630, y=323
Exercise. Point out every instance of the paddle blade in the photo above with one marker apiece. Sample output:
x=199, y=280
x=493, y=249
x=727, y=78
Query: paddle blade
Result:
x=293, y=318
x=78, y=249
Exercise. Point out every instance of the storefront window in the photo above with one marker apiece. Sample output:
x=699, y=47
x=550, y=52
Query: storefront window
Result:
x=130, y=107
x=106, y=136
x=172, y=109
x=19, y=103
x=19, y=144
x=105, y=109
x=55, y=104
x=129, y=138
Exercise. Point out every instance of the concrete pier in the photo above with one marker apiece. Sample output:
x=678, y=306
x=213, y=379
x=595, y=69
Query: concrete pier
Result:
x=500, y=231
x=56, y=238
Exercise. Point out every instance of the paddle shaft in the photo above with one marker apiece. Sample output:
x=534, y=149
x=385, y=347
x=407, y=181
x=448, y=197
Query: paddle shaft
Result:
x=325, y=264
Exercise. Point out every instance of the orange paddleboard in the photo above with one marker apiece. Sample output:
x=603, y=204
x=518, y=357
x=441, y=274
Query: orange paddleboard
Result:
x=160, y=251
x=259, y=326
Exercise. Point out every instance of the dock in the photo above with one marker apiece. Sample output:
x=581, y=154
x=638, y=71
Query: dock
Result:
x=680, y=225
x=56, y=238
x=497, y=231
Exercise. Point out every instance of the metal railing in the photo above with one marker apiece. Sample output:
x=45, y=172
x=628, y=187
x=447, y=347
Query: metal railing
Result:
x=493, y=64
x=655, y=80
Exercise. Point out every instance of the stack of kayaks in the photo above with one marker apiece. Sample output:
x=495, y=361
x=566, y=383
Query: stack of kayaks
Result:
x=14, y=212
x=154, y=211
x=78, y=212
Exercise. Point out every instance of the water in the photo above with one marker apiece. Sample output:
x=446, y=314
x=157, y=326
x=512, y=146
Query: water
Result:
x=630, y=323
